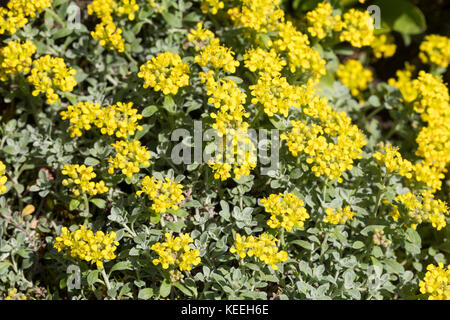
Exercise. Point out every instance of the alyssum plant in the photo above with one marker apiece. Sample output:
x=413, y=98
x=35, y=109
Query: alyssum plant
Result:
x=94, y=206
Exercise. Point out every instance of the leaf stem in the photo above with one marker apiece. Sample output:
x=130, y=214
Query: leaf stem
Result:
x=86, y=209
x=51, y=12
x=105, y=277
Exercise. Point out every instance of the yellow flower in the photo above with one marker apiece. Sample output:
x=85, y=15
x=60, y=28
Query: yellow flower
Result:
x=128, y=7
x=86, y=245
x=14, y=295
x=263, y=247
x=287, y=211
x=3, y=178
x=11, y=21
x=81, y=117
x=80, y=177
x=50, y=73
x=436, y=283
x=103, y=9
x=339, y=215
x=176, y=252
x=429, y=174
x=383, y=46
x=331, y=147
x=109, y=36
x=165, y=194
x=358, y=28
x=422, y=208
x=380, y=239
x=259, y=15
x=201, y=38
x=354, y=76
x=433, y=105
x=435, y=49
x=404, y=83
x=15, y=57
x=321, y=21
x=394, y=161
x=211, y=6
x=14, y=17
x=119, y=119
x=166, y=72
x=261, y=60
x=130, y=156
x=299, y=54
x=238, y=155
x=217, y=57
x=277, y=96
x=29, y=8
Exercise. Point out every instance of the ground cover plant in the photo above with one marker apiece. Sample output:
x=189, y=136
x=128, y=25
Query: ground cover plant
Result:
x=247, y=149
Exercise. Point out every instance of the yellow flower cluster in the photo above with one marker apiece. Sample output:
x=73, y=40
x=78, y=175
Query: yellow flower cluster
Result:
x=237, y=152
x=212, y=6
x=81, y=117
x=51, y=73
x=332, y=146
x=380, y=239
x=263, y=247
x=435, y=49
x=105, y=9
x=119, y=119
x=130, y=156
x=277, y=96
x=165, y=194
x=15, y=57
x=353, y=74
x=237, y=155
x=404, y=83
x=429, y=174
x=217, y=57
x=29, y=8
x=80, y=177
x=3, y=178
x=422, y=171
x=11, y=21
x=176, y=252
x=109, y=36
x=422, y=208
x=14, y=295
x=436, y=283
x=393, y=161
x=86, y=245
x=106, y=32
x=259, y=15
x=296, y=46
x=15, y=15
x=358, y=28
x=264, y=16
x=166, y=72
x=433, y=104
x=201, y=38
x=383, y=46
x=321, y=21
x=226, y=96
x=261, y=60
x=127, y=7
x=339, y=215
x=287, y=211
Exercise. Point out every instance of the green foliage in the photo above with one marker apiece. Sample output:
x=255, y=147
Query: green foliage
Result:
x=325, y=261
